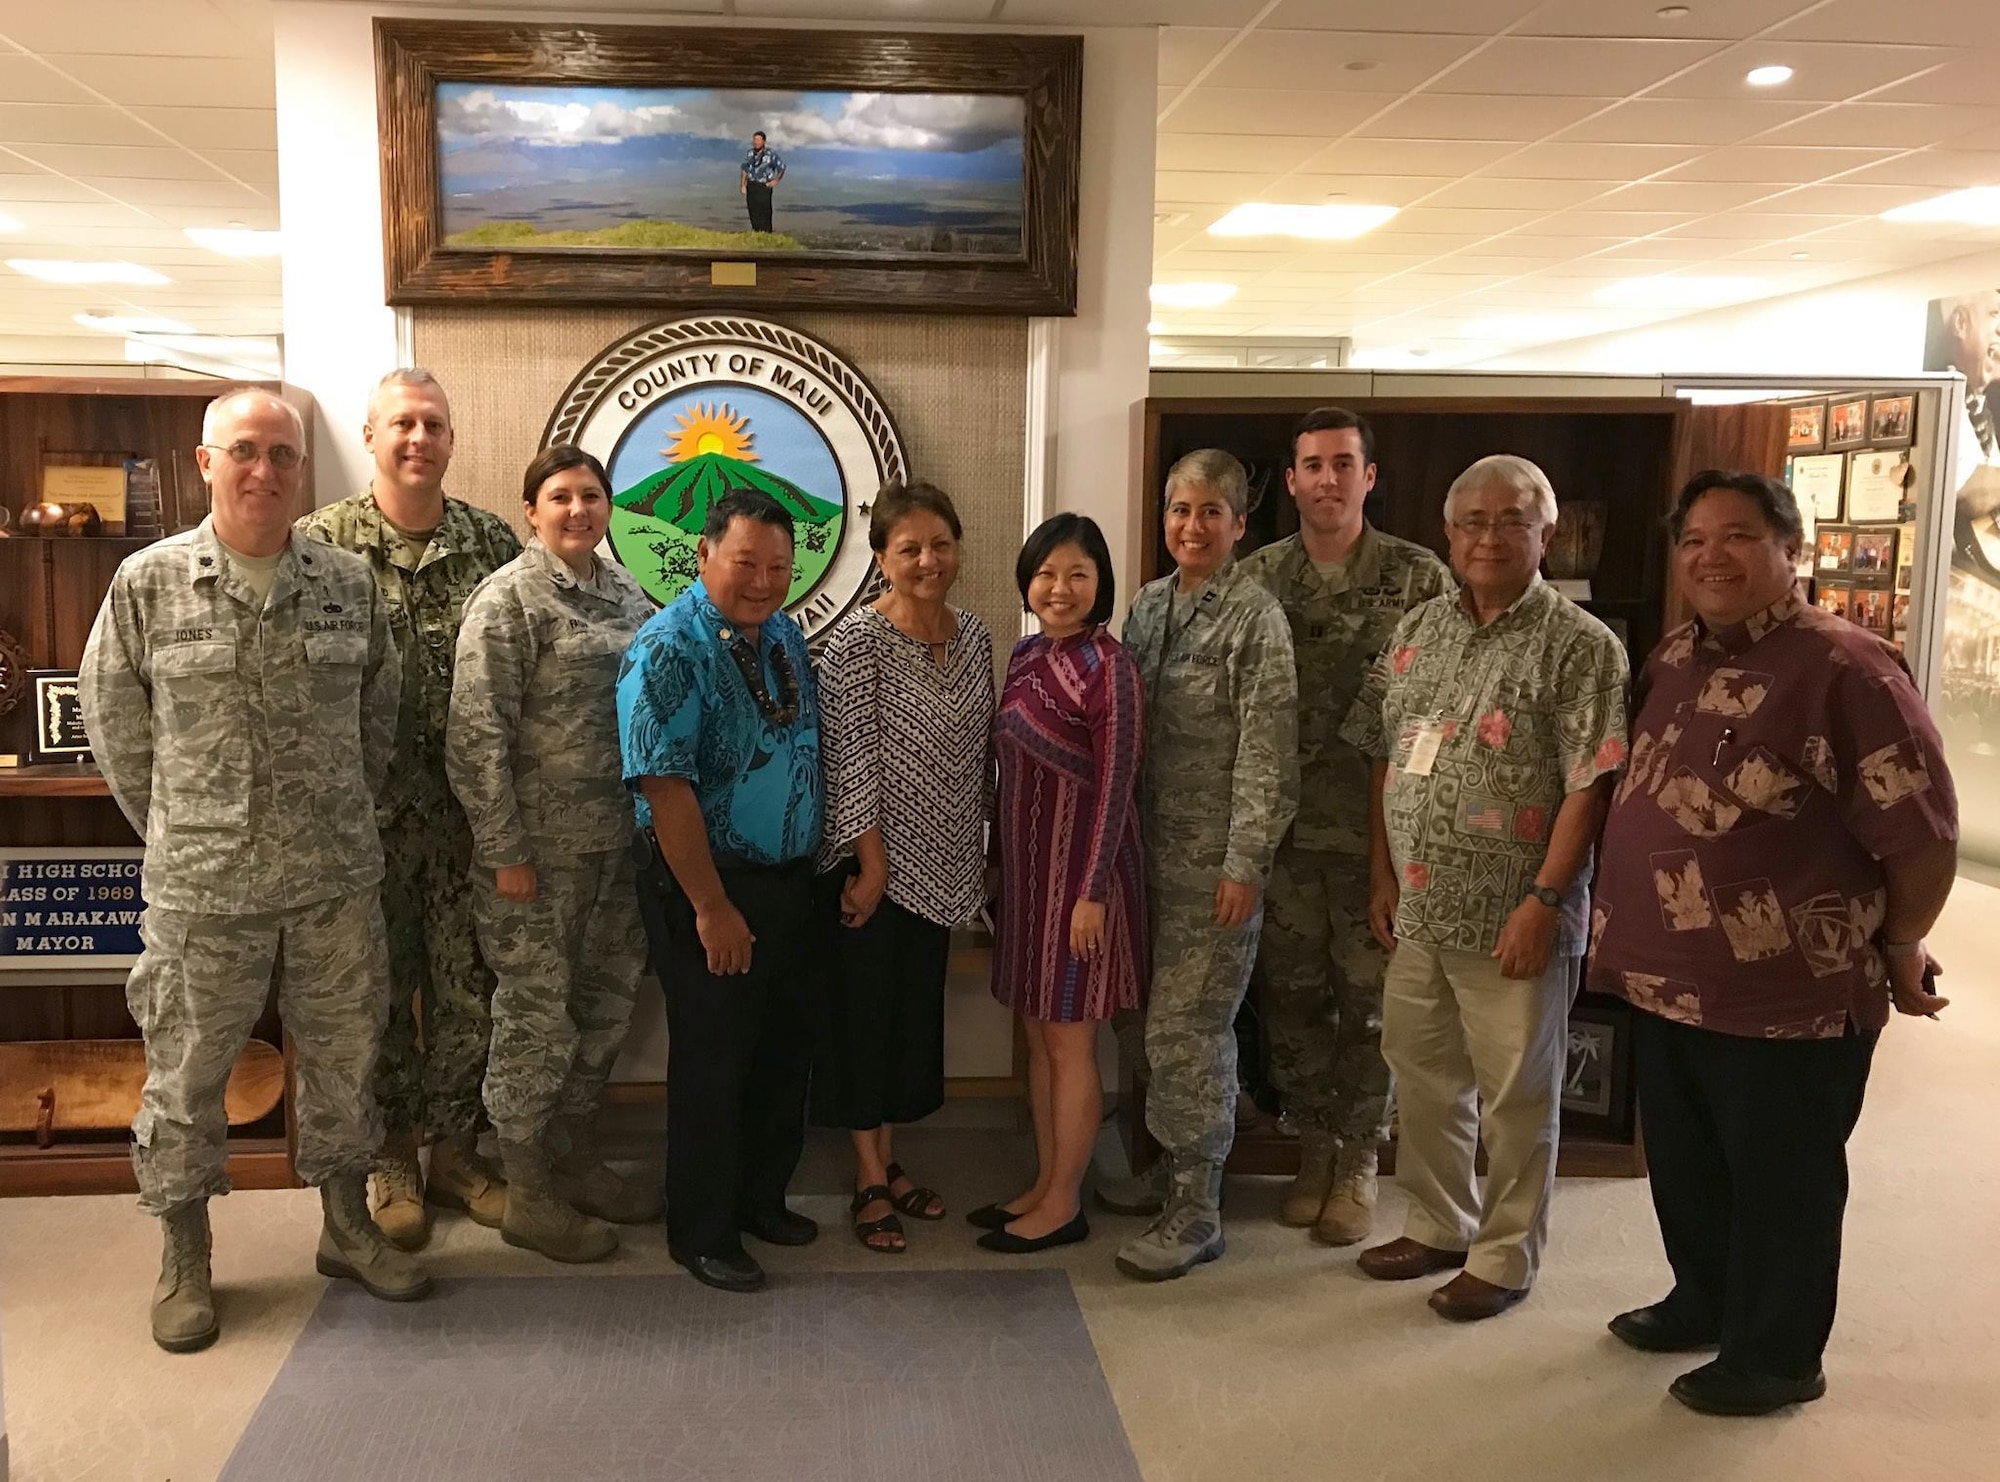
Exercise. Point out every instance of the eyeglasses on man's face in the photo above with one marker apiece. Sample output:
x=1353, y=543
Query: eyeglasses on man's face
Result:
x=284, y=457
x=1507, y=526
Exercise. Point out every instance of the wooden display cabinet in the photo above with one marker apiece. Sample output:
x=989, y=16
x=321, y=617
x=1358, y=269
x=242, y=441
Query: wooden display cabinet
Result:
x=50, y=590
x=1629, y=454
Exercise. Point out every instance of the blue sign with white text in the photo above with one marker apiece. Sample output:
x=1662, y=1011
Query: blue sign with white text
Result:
x=69, y=908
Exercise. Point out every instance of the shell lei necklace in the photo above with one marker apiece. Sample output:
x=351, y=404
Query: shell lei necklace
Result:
x=785, y=709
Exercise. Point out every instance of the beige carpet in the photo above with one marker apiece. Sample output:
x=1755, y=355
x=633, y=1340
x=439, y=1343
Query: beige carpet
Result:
x=1278, y=1363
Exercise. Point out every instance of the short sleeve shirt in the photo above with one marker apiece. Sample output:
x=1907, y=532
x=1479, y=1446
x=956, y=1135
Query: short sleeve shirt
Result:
x=685, y=709
x=1525, y=710
x=762, y=166
x=1774, y=766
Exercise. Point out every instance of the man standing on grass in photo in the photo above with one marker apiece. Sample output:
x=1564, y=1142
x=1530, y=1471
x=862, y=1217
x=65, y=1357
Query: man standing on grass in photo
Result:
x=762, y=169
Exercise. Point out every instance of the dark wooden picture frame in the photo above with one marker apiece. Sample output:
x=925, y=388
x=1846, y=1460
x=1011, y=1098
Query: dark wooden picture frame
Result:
x=55, y=714
x=1805, y=430
x=1892, y=420
x=1597, y=1074
x=413, y=57
x=1847, y=423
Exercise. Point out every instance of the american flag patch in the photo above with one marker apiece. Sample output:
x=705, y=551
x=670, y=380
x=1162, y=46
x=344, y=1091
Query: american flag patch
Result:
x=1484, y=818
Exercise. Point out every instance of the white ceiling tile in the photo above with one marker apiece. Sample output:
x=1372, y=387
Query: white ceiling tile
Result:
x=70, y=123
x=1522, y=244
x=23, y=79
x=91, y=161
x=1675, y=121
x=1483, y=117
x=1965, y=76
x=221, y=194
x=1847, y=198
x=1438, y=159
x=1602, y=219
x=1505, y=192
x=1887, y=125
x=1869, y=21
x=1185, y=50
x=1318, y=184
x=1317, y=59
x=1576, y=68
x=1748, y=226
x=1454, y=17
x=845, y=10
x=215, y=128
x=253, y=166
x=1944, y=169
x=1614, y=164
x=1191, y=188
x=222, y=82
x=160, y=28
x=1772, y=164
x=1268, y=112
x=1682, y=195
x=1821, y=73
x=1275, y=153
x=1726, y=20
x=1432, y=219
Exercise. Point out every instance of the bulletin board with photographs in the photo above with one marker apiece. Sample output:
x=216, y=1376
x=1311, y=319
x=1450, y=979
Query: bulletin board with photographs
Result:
x=1849, y=466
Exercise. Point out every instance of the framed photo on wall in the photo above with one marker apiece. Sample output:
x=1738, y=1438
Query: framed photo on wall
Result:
x=1875, y=484
x=1836, y=597
x=1816, y=484
x=1847, y=423
x=700, y=166
x=56, y=711
x=1836, y=550
x=1892, y=420
x=1807, y=429
x=1874, y=556
x=1871, y=609
x=1597, y=1080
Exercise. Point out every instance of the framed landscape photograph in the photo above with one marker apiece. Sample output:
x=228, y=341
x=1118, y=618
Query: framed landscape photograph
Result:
x=1892, y=419
x=1807, y=432
x=1847, y=423
x=699, y=166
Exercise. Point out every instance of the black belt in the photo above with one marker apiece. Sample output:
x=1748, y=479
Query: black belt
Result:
x=646, y=849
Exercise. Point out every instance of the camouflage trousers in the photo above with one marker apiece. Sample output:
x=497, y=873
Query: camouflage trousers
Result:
x=200, y=986
x=1320, y=970
x=568, y=965
x=1200, y=973
x=441, y=993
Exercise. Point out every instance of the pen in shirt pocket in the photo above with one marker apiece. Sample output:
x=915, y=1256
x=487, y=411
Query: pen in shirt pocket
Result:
x=1728, y=735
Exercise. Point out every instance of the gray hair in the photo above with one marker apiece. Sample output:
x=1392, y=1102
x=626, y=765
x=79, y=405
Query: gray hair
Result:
x=213, y=413
x=407, y=375
x=1509, y=471
x=1216, y=471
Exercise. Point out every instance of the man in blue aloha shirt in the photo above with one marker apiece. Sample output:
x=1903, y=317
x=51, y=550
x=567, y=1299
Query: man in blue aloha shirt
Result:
x=762, y=169
x=718, y=721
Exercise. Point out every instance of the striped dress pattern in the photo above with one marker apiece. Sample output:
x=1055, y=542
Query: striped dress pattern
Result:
x=1068, y=739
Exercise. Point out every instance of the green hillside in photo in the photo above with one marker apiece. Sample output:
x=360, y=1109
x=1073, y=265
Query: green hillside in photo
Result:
x=654, y=235
x=682, y=494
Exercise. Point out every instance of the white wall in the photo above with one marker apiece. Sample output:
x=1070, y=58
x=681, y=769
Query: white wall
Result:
x=1873, y=327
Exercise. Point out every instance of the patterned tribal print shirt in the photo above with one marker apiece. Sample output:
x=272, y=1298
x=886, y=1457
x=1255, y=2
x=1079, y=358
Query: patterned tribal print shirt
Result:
x=907, y=743
x=1532, y=709
x=1773, y=767
x=762, y=166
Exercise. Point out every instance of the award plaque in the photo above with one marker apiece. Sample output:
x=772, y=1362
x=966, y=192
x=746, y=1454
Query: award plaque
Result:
x=57, y=713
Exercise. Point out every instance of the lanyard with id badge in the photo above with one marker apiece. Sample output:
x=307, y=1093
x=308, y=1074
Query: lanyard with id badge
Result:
x=1424, y=745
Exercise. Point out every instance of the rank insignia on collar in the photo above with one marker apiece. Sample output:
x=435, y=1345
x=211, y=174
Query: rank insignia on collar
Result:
x=331, y=607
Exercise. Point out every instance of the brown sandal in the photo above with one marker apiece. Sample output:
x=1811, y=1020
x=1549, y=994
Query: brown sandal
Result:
x=866, y=1231
x=918, y=1201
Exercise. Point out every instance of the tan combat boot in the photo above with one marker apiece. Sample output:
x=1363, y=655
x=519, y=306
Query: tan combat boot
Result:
x=351, y=1245
x=593, y=1187
x=1349, y=1213
x=399, y=1192
x=537, y=1219
x=459, y=1180
x=1308, y=1192
x=184, y=1301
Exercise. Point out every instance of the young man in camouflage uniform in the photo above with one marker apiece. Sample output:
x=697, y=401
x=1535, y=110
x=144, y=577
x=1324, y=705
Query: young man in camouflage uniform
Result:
x=1344, y=585
x=427, y=553
x=240, y=691
x=1221, y=781
x=532, y=752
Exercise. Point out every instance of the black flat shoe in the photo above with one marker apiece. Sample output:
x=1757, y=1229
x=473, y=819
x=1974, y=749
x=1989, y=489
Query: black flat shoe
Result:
x=1659, y=1329
x=990, y=1217
x=1010, y=1244
x=781, y=1227
x=1717, y=1389
x=737, y=1273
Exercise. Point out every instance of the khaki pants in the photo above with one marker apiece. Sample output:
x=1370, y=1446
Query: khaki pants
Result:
x=1477, y=1057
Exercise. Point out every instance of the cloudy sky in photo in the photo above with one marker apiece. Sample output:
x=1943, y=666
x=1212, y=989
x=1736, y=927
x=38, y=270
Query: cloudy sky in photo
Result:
x=475, y=114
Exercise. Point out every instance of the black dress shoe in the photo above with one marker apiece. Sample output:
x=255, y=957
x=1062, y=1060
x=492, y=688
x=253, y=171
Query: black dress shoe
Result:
x=733, y=1273
x=990, y=1217
x=1659, y=1329
x=1717, y=1389
x=781, y=1226
x=1010, y=1244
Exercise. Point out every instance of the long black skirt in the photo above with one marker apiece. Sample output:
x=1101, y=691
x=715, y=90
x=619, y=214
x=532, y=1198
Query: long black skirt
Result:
x=881, y=1049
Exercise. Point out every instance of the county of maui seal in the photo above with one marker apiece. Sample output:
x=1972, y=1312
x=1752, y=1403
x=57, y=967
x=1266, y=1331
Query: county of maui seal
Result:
x=684, y=412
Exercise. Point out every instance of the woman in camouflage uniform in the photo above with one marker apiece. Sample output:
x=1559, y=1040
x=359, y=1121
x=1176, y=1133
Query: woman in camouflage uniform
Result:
x=532, y=752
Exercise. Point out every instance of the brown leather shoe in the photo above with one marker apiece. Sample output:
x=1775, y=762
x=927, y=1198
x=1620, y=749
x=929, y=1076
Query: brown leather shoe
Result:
x=1407, y=1259
x=1466, y=1298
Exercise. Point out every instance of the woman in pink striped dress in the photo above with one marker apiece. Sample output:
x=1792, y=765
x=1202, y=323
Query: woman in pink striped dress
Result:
x=1072, y=929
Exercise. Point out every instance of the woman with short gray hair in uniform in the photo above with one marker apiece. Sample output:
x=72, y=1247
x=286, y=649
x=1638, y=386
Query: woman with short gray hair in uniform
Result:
x=532, y=752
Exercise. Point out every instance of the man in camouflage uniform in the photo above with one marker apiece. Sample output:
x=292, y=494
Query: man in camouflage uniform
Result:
x=427, y=553
x=532, y=752
x=240, y=693
x=1344, y=585
x=1220, y=785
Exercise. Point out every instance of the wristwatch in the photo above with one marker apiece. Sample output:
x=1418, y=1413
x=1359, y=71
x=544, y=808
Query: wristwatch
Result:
x=1547, y=895
x=1904, y=949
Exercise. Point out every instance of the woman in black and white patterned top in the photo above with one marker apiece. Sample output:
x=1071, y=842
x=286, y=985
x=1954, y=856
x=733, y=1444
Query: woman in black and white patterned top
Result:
x=906, y=695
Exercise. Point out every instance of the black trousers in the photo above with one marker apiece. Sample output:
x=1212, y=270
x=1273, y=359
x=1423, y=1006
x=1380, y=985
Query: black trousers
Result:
x=1747, y=1143
x=739, y=1050
x=758, y=198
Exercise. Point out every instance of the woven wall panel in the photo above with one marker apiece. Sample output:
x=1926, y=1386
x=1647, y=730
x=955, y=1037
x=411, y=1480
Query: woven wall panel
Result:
x=956, y=387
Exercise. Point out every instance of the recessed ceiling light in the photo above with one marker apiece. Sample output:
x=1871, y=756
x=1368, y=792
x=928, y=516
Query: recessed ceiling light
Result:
x=1359, y=64
x=1320, y=223
x=131, y=324
x=1768, y=76
x=1192, y=295
x=9, y=223
x=1979, y=206
x=58, y=270
x=1674, y=291
x=235, y=241
x=1800, y=256
x=1673, y=12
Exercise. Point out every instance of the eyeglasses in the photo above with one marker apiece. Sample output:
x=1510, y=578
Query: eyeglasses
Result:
x=284, y=457
x=1507, y=526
